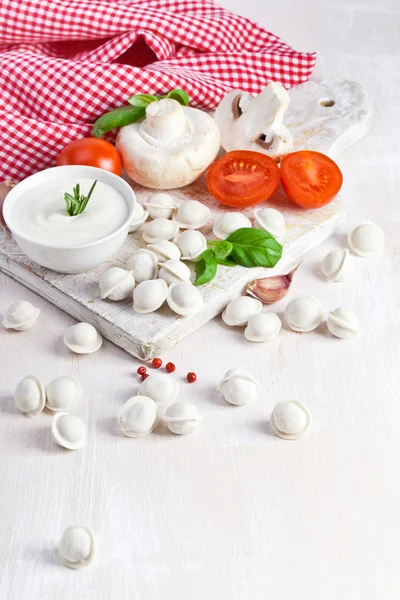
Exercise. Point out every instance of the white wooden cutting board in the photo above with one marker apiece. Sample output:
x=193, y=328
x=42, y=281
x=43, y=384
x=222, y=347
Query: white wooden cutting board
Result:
x=327, y=116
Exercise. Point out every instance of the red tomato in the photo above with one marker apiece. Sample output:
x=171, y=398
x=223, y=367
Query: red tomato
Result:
x=92, y=152
x=310, y=179
x=242, y=178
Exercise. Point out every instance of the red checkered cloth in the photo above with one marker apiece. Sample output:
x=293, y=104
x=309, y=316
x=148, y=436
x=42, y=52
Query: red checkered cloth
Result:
x=63, y=63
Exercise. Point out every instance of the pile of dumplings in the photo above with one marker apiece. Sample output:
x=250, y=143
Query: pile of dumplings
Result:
x=61, y=397
x=159, y=273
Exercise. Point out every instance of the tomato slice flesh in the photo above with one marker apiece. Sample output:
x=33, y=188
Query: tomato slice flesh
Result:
x=242, y=178
x=249, y=180
x=310, y=179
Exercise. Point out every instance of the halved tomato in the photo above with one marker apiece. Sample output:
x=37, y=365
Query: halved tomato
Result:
x=310, y=179
x=242, y=178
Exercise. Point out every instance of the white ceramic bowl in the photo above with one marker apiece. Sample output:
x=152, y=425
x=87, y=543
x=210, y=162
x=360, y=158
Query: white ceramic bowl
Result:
x=70, y=259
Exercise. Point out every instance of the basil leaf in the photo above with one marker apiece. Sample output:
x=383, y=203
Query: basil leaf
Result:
x=206, y=268
x=222, y=249
x=141, y=100
x=119, y=117
x=180, y=96
x=254, y=248
x=227, y=262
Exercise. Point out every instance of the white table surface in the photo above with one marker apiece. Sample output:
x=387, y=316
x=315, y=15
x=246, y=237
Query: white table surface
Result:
x=232, y=512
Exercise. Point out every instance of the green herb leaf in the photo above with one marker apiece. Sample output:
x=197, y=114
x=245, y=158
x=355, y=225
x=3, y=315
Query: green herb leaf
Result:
x=142, y=100
x=222, y=249
x=125, y=115
x=206, y=268
x=254, y=248
x=119, y=117
x=226, y=262
x=180, y=96
x=77, y=203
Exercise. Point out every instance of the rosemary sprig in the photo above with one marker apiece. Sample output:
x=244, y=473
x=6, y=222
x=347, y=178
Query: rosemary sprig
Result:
x=77, y=203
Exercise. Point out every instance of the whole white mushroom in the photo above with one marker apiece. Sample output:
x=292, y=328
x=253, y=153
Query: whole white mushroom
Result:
x=171, y=148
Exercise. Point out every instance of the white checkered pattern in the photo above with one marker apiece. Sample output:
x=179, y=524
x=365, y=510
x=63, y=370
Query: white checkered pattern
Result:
x=63, y=63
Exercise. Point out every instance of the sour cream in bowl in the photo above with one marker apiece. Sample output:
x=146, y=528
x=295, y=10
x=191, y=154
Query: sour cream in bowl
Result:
x=35, y=212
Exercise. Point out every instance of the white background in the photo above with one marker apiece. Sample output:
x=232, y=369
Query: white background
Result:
x=232, y=512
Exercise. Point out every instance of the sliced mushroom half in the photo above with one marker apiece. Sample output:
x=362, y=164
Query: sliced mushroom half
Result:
x=248, y=123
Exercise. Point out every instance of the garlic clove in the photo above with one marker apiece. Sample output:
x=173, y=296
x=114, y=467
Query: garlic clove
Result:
x=30, y=396
x=165, y=250
x=238, y=387
x=83, y=338
x=21, y=316
x=271, y=289
x=290, y=420
x=182, y=418
x=174, y=271
x=343, y=323
x=138, y=416
x=138, y=218
x=159, y=229
x=336, y=265
x=304, y=313
x=229, y=223
x=191, y=244
x=160, y=205
x=143, y=265
x=149, y=296
x=184, y=299
x=68, y=431
x=191, y=214
x=116, y=284
x=239, y=311
x=262, y=327
x=366, y=239
x=270, y=220
x=77, y=547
